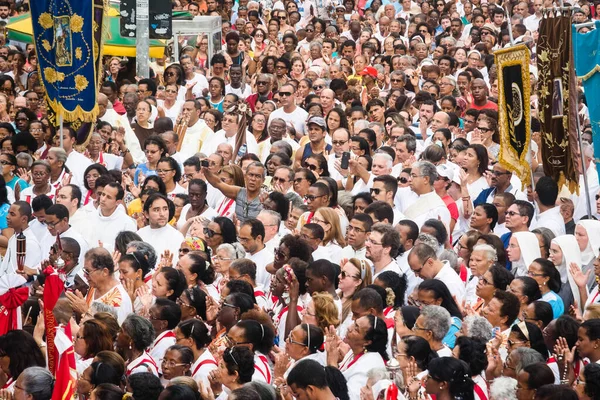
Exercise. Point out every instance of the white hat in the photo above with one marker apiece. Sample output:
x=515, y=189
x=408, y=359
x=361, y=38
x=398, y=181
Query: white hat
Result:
x=445, y=171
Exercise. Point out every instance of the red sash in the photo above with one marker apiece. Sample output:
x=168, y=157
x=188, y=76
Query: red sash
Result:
x=203, y=362
x=8, y=383
x=87, y=198
x=168, y=334
x=144, y=360
x=267, y=373
x=344, y=367
x=479, y=392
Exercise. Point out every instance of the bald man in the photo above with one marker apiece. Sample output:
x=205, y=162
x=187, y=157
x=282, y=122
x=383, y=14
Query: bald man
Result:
x=480, y=96
x=226, y=151
x=327, y=100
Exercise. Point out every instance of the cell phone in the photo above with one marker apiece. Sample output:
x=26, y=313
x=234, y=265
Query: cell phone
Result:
x=345, y=160
x=204, y=163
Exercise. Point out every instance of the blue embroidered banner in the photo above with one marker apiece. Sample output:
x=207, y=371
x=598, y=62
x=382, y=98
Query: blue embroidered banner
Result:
x=586, y=48
x=68, y=40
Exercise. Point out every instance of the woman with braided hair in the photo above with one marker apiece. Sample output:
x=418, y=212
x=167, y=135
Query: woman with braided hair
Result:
x=395, y=288
x=448, y=379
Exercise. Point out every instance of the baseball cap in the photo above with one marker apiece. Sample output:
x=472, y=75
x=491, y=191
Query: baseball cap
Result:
x=317, y=121
x=445, y=171
x=371, y=71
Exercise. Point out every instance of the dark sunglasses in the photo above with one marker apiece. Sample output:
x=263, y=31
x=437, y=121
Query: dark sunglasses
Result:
x=402, y=180
x=210, y=233
x=318, y=87
x=312, y=167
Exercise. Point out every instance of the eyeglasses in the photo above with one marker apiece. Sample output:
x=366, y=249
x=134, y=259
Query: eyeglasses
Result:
x=511, y=343
x=184, y=251
x=219, y=258
x=312, y=167
x=298, y=180
x=292, y=341
x=311, y=198
x=512, y=213
x=373, y=242
x=170, y=73
x=262, y=83
x=485, y=281
x=389, y=123
x=318, y=87
x=402, y=180
x=232, y=342
x=484, y=129
x=172, y=364
x=533, y=274
x=163, y=171
x=210, y=233
x=284, y=94
x=416, y=328
x=343, y=274
x=355, y=229
x=375, y=191
x=280, y=67
x=171, y=91
x=6, y=162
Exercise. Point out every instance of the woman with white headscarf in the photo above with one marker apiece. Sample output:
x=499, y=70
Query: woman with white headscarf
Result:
x=522, y=249
x=587, y=234
x=564, y=251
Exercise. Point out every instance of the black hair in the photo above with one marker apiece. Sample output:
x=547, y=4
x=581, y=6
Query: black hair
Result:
x=396, y=283
x=197, y=331
x=256, y=228
x=282, y=204
x=242, y=301
x=239, y=359
x=382, y=211
x=144, y=385
x=473, y=352
x=159, y=196
x=441, y=234
x=22, y=351
x=562, y=392
x=228, y=231
x=534, y=337
x=543, y=312
x=501, y=276
x=419, y=348
x=591, y=373
x=59, y=211
x=322, y=268
x=98, y=167
x=549, y=270
x=456, y=374
x=440, y=290
x=169, y=311
x=369, y=297
x=540, y=374
x=310, y=373
x=104, y=373
x=175, y=281
x=202, y=268
x=174, y=165
x=180, y=392
x=510, y=305
x=240, y=286
x=547, y=190
x=298, y=247
x=260, y=335
x=314, y=336
x=137, y=261
x=531, y=289
x=197, y=298
x=108, y=391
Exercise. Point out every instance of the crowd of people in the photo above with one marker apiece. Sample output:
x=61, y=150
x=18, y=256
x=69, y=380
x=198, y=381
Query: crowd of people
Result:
x=317, y=212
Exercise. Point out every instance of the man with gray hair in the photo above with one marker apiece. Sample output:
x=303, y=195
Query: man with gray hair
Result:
x=271, y=221
x=382, y=165
x=36, y=382
x=432, y=325
x=519, y=359
x=146, y=249
x=419, y=201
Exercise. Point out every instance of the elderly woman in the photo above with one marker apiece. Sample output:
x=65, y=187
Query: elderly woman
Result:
x=225, y=254
x=194, y=334
x=36, y=383
x=303, y=342
x=40, y=175
x=177, y=362
x=133, y=341
x=432, y=325
x=104, y=287
x=482, y=258
x=587, y=233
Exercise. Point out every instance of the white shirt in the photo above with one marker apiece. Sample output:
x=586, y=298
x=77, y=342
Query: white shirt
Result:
x=297, y=118
x=110, y=161
x=261, y=258
x=552, y=220
x=131, y=140
x=106, y=228
x=211, y=144
x=392, y=266
x=202, y=366
x=452, y=281
x=144, y=363
x=160, y=345
x=32, y=253
x=77, y=163
x=201, y=83
x=193, y=139
x=242, y=92
x=165, y=238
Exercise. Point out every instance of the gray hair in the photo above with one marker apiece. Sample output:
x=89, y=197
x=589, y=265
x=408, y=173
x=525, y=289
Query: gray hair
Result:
x=400, y=73
x=377, y=374
x=29, y=159
x=427, y=169
x=478, y=327
x=140, y=330
x=276, y=217
x=234, y=250
x=429, y=240
x=37, y=382
x=388, y=159
x=379, y=126
x=448, y=255
x=316, y=44
x=527, y=356
x=411, y=142
x=97, y=307
x=547, y=235
x=284, y=146
x=146, y=249
x=60, y=154
x=489, y=251
x=503, y=388
x=360, y=125
x=437, y=320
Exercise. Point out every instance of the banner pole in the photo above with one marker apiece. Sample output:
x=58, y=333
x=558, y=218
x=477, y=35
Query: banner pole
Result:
x=580, y=140
x=510, y=34
x=62, y=145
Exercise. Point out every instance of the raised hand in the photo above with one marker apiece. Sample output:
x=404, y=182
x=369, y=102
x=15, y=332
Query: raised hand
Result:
x=578, y=276
x=77, y=301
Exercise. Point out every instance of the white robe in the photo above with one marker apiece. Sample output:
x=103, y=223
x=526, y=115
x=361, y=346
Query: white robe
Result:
x=165, y=238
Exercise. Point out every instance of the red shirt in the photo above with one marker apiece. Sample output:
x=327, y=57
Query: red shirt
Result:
x=119, y=108
x=490, y=105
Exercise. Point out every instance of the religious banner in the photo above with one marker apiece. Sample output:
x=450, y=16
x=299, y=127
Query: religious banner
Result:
x=68, y=42
x=53, y=289
x=514, y=112
x=557, y=99
x=586, y=52
x=65, y=384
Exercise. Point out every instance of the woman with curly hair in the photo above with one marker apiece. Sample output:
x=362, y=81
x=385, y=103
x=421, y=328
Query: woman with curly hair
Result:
x=395, y=286
x=321, y=311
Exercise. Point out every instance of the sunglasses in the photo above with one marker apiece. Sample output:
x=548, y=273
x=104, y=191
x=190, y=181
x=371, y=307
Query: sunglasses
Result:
x=210, y=233
x=285, y=94
x=402, y=180
x=312, y=167
x=375, y=191
x=318, y=87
